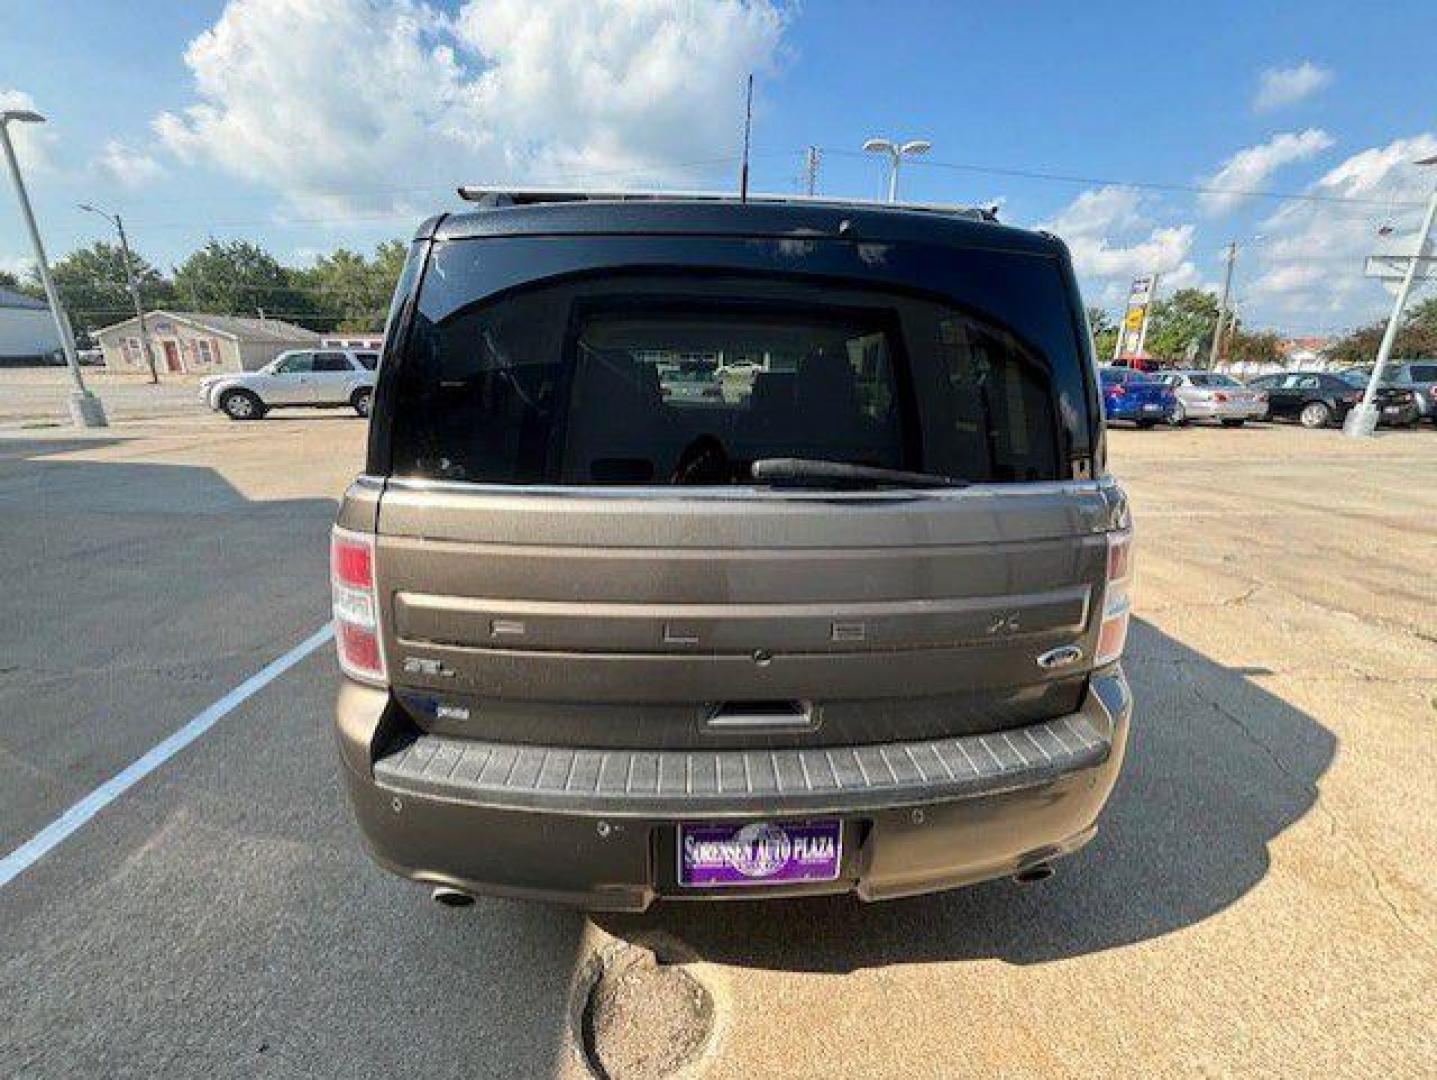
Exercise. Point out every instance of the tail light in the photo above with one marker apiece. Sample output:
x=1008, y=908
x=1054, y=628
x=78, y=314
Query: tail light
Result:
x=1219, y=396
x=356, y=606
x=1117, y=599
x=1118, y=390
x=1260, y=397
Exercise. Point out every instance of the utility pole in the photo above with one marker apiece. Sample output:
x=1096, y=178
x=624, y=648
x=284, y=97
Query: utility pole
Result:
x=810, y=169
x=1222, y=307
x=1362, y=421
x=132, y=284
x=85, y=408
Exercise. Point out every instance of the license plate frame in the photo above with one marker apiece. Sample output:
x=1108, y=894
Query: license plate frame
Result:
x=758, y=854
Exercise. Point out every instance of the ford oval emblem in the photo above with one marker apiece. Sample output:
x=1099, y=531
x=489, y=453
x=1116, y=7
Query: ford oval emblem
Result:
x=1060, y=657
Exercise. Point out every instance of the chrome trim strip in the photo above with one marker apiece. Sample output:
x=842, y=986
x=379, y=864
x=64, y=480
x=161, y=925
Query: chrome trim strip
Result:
x=745, y=493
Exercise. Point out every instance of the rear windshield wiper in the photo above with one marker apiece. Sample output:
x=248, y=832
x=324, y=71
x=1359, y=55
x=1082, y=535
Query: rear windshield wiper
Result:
x=845, y=472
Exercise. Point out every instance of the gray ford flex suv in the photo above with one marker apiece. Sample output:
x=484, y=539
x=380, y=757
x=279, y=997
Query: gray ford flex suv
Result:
x=713, y=548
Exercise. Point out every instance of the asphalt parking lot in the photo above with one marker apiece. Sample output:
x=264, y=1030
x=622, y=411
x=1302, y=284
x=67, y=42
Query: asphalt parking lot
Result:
x=1260, y=899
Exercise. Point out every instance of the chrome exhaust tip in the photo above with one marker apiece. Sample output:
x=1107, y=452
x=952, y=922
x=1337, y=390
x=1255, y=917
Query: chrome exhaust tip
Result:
x=450, y=897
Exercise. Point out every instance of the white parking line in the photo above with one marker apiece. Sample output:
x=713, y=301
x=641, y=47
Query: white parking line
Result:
x=55, y=833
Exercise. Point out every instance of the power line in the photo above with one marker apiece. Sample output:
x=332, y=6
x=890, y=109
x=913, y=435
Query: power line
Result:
x=1150, y=185
x=280, y=222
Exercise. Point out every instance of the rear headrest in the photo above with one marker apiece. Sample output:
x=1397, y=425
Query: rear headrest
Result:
x=772, y=392
x=616, y=382
x=825, y=382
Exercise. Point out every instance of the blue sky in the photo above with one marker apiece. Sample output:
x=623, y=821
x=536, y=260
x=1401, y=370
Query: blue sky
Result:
x=309, y=125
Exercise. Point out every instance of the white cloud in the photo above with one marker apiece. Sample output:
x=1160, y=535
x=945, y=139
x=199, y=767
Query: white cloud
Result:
x=1280, y=87
x=33, y=142
x=1308, y=268
x=19, y=265
x=1112, y=240
x=1249, y=168
x=345, y=104
x=127, y=166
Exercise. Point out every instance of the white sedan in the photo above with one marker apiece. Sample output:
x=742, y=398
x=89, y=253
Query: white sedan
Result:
x=320, y=378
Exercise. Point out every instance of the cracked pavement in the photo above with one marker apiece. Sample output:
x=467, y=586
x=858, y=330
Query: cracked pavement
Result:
x=1259, y=899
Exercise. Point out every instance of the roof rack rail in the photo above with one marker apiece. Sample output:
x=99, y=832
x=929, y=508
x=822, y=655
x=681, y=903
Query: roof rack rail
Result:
x=494, y=197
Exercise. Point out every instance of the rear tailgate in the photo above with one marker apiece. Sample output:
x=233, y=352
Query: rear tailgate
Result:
x=613, y=618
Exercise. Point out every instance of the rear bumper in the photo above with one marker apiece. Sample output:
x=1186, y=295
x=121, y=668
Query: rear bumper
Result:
x=1397, y=415
x=1145, y=411
x=1230, y=410
x=598, y=829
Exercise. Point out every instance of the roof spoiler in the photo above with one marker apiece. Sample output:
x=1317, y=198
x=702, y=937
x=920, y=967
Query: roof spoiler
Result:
x=493, y=198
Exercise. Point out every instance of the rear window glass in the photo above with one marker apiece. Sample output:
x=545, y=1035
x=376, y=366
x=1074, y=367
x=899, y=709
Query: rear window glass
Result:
x=1212, y=378
x=637, y=378
x=1128, y=377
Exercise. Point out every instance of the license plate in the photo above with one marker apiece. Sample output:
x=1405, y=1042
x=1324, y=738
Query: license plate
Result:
x=1391, y=410
x=1152, y=408
x=759, y=853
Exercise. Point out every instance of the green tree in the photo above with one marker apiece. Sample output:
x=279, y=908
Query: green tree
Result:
x=350, y=291
x=388, y=264
x=389, y=259
x=92, y=286
x=1181, y=327
x=240, y=278
x=1255, y=346
x=339, y=287
x=1105, y=332
x=1417, y=336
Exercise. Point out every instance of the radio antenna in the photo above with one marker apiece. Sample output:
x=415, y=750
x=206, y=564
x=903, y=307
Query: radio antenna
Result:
x=747, y=128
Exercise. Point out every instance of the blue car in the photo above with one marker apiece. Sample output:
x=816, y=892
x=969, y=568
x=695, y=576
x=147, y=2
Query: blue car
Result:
x=1136, y=396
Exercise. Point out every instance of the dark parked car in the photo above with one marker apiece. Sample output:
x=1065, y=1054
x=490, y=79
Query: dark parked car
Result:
x=1418, y=376
x=856, y=629
x=1318, y=399
x=1133, y=395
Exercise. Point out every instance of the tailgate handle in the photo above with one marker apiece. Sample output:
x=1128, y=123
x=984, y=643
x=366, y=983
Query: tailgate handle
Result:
x=751, y=716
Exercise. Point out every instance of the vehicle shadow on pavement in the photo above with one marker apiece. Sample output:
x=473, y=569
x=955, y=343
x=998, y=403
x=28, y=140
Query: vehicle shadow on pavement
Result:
x=221, y=917
x=22, y=449
x=1217, y=769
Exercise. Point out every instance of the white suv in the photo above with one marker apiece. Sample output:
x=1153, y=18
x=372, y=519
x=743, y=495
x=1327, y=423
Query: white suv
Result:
x=321, y=378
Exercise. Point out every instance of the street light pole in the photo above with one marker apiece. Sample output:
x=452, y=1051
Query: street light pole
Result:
x=896, y=152
x=1362, y=421
x=132, y=285
x=85, y=407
